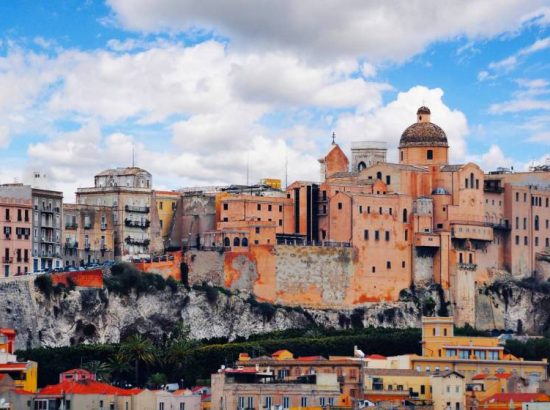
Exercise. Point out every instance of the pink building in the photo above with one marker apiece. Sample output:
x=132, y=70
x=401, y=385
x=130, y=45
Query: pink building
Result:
x=15, y=237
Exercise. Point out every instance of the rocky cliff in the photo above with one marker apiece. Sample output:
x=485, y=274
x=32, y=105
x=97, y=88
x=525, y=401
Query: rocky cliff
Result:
x=86, y=315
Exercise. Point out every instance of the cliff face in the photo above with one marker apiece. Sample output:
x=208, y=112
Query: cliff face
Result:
x=86, y=315
x=520, y=306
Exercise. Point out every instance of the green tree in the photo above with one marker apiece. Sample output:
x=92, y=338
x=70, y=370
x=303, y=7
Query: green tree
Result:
x=101, y=370
x=137, y=349
x=157, y=380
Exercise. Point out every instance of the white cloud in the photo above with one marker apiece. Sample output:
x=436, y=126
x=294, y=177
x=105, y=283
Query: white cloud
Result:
x=519, y=105
x=387, y=123
x=541, y=137
x=375, y=30
x=492, y=159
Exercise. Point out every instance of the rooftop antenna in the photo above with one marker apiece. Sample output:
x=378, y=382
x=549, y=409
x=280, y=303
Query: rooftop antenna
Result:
x=333, y=137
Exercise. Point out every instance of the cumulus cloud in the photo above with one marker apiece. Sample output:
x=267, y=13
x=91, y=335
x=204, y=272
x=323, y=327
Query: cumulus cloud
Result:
x=387, y=123
x=375, y=30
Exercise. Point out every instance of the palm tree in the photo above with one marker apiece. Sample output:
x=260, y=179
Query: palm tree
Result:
x=120, y=367
x=101, y=370
x=137, y=349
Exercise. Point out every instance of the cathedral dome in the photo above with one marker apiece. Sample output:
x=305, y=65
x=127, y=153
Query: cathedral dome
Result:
x=423, y=133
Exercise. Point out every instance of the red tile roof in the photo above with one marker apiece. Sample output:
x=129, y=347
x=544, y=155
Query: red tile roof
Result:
x=279, y=352
x=483, y=376
x=85, y=387
x=250, y=370
x=310, y=358
x=517, y=398
x=13, y=366
x=376, y=357
x=7, y=331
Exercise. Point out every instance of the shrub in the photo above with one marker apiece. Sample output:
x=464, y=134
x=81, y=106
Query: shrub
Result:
x=44, y=283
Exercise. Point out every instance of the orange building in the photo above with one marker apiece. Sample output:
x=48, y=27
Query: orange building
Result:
x=418, y=221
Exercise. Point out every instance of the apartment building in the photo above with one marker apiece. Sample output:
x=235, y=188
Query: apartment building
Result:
x=128, y=191
x=88, y=235
x=247, y=388
x=45, y=217
x=15, y=235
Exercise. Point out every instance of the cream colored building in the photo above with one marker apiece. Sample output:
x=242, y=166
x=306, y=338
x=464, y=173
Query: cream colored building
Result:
x=128, y=191
x=448, y=391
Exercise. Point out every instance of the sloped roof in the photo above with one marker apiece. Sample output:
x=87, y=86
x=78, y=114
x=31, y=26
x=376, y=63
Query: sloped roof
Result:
x=423, y=134
x=517, y=398
x=451, y=168
x=84, y=387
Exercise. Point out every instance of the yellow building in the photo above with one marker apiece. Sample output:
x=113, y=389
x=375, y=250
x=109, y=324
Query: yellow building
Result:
x=24, y=374
x=469, y=356
x=166, y=202
x=448, y=391
x=396, y=385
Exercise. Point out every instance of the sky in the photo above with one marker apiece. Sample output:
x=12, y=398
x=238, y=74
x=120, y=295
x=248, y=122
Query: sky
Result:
x=197, y=92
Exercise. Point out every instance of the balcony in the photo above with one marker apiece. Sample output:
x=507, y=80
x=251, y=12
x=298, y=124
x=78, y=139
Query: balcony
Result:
x=103, y=227
x=7, y=260
x=138, y=209
x=71, y=225
x=88, y=226
x=137, y=224
x=471, y=230
x=426, y=240
x=466, y=266
x=501, y=225
x=87, y=247
x=71, y=245
x=139, y=242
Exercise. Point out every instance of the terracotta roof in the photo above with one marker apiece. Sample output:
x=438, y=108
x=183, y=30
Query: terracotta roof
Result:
x=310, y=358
x=517, y=398
x=7, y=331
x=376, y=357
x=84, y=387
x=395, y=372
x=483, y=376
x=423, y=134
x=343, y=174
x=13, y=366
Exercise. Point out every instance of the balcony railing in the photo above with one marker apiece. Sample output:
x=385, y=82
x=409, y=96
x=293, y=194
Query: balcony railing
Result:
x=139, y=209
x=71, y=245
x=467, y=266
x=7, y=260
x=71, y=225
x=134, y=241
x=137, y=224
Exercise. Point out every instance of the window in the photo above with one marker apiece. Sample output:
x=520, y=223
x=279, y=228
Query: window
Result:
x=405, y=215
x=226, y=242
x=286, y=402
x=472, y=180
x=388, y=265
x=524, y=197
x=524, y=223
x=380, y=210
x=401, y=155
x=236, y=241
x=406, y=234
x=379, y=175
x=161, y=406
x=517, y=222
x=390, y=211
x=480, y=354
x=525, y=241
x=402, y=264
x=339, y=205
x=267, y=402
x=225, y=206
x=536, y=222
x=463, y=354
x=259, y=207
x=269, y=208
x=466, y=183
x=517, y=196
x=160, y=205
x=517, y=239
x=303, y=401
x=387, y=235
x=368, y=209
x=376, y=235
x=280, y=222
x=430, y=154
x=257, y=229
x=536, y=241
x=492, y=355
x=360, y=209
x=373, y=269
x=477, y=185
x=250, y=402
x=366, y=234
x=331, y=401
x=322, y=401
x=422, y=389
x=388, y=179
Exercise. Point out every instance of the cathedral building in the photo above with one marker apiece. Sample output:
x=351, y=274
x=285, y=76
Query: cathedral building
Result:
x=418, y=221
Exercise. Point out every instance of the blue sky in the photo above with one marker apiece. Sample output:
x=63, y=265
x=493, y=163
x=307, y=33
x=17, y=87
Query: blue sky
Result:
x=201, y=89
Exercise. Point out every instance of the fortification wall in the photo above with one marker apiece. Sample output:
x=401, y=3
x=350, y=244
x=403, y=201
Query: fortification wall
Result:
x=88, y=279
x=320, y=277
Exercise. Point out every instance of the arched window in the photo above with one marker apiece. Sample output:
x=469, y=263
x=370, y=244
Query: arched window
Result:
x=236, y=242
x=226, y=242
x=379, y=175
x=245, y=242
x=472, y=180
x=361, y=166
x=405, y=215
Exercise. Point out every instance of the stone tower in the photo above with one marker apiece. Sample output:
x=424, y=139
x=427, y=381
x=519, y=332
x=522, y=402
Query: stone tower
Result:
x=367, y=153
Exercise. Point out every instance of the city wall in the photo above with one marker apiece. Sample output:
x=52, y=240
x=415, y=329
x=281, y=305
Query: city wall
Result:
x=321, y=277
